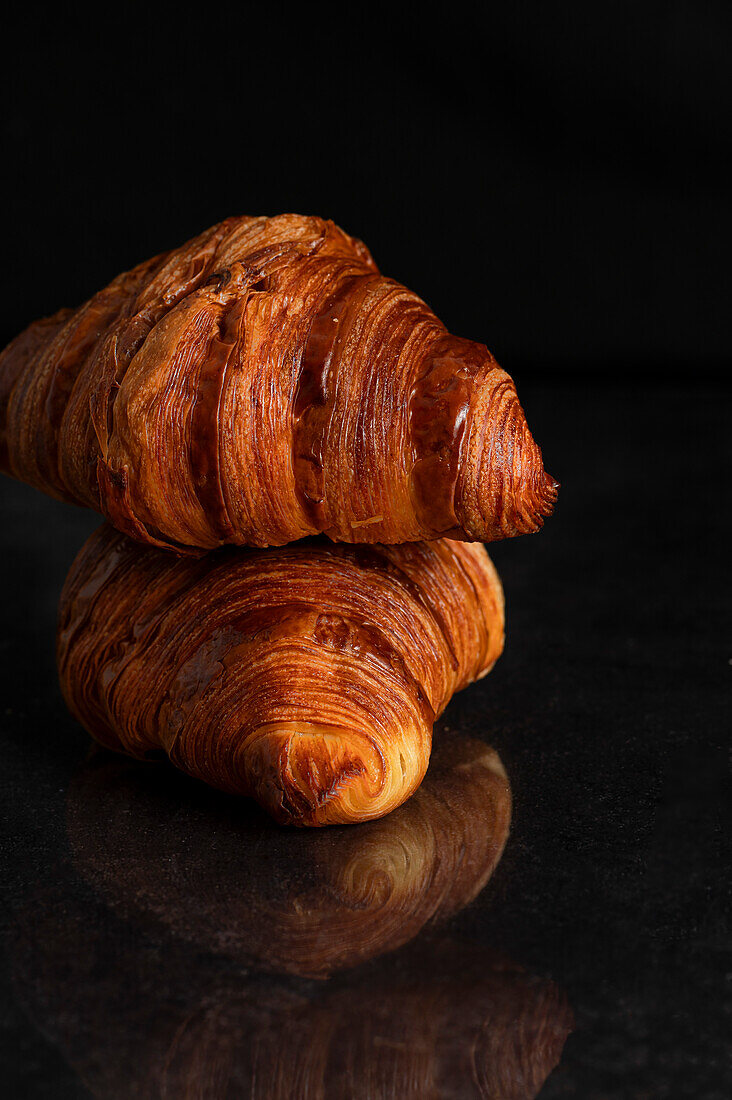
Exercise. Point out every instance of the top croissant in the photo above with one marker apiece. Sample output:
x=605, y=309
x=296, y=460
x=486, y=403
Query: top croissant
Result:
x=262, y=383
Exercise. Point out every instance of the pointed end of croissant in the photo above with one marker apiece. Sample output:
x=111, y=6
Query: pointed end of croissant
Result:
x=544, y=492
x=526, y=493
x=512, y=493
x=311, y=774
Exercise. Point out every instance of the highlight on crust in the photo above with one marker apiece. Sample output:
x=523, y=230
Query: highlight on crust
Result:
x=262, y=383
x=307, y=677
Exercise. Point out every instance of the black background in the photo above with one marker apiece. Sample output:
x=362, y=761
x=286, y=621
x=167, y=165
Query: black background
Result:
x=554, y=180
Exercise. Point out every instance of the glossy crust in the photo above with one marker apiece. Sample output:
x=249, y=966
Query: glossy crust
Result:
x=308, y=677
x=263, y=383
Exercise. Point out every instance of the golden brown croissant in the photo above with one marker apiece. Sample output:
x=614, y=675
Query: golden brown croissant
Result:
x=308, y=677
x=263, y=383
x=218, y=873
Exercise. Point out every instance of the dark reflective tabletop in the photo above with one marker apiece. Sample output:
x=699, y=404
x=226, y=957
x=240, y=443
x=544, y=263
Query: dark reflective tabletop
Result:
x=163, y=940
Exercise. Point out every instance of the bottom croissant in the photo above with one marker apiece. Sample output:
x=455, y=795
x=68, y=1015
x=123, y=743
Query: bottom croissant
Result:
x=307, y=676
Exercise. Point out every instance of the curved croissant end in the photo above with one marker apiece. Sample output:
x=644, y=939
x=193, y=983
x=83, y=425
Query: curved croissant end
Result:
x=218, y=874
x=308, y=677
x=263, y=383
x=334, y=775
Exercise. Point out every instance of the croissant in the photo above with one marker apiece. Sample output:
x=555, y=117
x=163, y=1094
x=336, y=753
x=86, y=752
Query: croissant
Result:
x=220, y=875
x=263, y=383
x=308, y=677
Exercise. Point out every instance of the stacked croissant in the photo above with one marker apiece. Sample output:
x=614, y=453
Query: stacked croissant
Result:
x=261, y=387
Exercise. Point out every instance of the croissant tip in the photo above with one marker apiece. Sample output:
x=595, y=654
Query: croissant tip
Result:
x=538, y=503
x=548, y=496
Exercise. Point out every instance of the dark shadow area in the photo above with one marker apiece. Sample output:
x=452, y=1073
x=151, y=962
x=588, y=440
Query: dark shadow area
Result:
x=553, y=181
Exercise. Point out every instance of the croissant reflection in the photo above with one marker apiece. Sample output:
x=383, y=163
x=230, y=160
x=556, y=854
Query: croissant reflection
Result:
x=307, y=677
x=448, y=1020
x=216, y=871
x=264, y=382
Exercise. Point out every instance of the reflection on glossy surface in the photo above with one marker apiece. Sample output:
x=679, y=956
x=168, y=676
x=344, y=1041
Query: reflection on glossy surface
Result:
x=218, y=873
x=139, y=1012
x=441, y=1019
